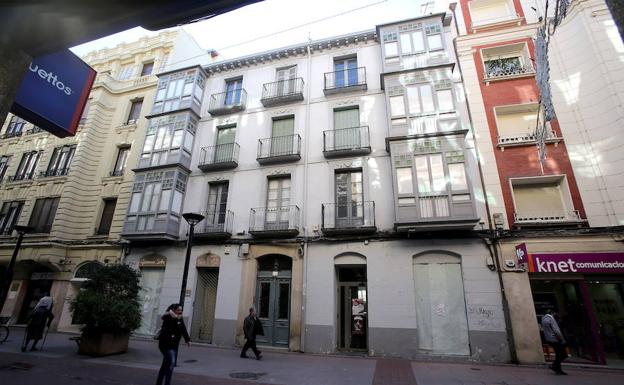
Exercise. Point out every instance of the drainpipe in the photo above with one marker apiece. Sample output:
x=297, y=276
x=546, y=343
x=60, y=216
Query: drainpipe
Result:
x=490, y=242
x=304, y=216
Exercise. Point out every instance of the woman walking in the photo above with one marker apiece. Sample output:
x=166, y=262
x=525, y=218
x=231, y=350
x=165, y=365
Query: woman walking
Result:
x=171, y=331
x=40, y=318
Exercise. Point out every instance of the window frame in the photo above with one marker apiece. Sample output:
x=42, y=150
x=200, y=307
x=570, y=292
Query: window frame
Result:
x=41, y=222
x=106, y=220
x=6, y=227
x=15, y=127
x=57, y=159
x=121, y=160
x=133, y=110
x=147, y=64
x=4, y=165
x=179, y=90
x=164, y=129
x=27, y=163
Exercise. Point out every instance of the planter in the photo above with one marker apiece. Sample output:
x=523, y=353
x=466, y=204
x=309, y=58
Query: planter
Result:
x=97, y=345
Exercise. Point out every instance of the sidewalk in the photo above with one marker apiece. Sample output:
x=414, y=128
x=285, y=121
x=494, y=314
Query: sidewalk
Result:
x=308, y=369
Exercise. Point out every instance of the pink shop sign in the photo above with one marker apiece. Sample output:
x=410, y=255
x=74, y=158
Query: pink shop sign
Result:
x=576, y=263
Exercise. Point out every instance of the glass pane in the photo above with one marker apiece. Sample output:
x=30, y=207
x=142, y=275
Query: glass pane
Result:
x=392, y=49
x=457, y=175
x=413, y=100
x=437, y=173
x=419, y=42
x=422, y=174
x=404, y=180
x=397, y=106
x=134, y=202
x=264, y=299
x=445, y=100
x=346, y=118
x=165, y=196
x=284, y=300
x=147, y=197
x=406, y=43
x=177, y=138
x=427, y=98
x=434, y=41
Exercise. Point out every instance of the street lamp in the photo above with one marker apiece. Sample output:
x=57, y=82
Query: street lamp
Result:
x=192, y=219
x=8, y=274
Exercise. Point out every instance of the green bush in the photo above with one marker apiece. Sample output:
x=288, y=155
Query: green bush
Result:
x=109, y=301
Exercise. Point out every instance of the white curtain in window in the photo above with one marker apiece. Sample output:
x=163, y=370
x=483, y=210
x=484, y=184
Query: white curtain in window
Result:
x=149, y=296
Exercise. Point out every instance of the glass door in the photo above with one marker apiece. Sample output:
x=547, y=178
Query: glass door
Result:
x=349, y=199
x=217, y=207
x=278, y=200
x=347, y=128
x=225, y=144
x=346, y=72
x=286, y=80
x=282, y=138
x=233, y=90
x=273, y=309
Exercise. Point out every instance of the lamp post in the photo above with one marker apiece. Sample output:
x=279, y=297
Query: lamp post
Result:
x=192, y=219
x=8, y=275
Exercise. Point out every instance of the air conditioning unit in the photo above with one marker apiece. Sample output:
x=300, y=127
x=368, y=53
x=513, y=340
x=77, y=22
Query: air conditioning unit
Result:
x=499, y=220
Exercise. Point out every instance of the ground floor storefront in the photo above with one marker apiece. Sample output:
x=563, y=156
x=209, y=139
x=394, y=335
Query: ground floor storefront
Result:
x=401, y=298
x=582, y=281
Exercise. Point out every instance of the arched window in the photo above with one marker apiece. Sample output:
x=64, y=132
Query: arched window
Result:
x=86, y=270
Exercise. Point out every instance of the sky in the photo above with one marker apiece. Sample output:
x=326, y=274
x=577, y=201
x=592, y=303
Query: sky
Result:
x=278, y=23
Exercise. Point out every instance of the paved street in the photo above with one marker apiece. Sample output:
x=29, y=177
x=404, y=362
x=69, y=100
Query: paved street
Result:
x=58, y=363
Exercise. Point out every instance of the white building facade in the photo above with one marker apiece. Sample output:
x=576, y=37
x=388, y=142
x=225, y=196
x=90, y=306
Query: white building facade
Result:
x=341, y=197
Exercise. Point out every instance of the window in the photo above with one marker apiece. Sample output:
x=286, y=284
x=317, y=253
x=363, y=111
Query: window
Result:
x=346, y=72
x=4, y=165
x=135, y=111
x=282, y=136
x=43, y=214
x=16, y=125
x=163, y=62
x=107, y=216
x=286, y=80
x=120, y=162
x=125, y=72
x=485, y=12
x=508, y=60
x=404, y=180
x=9, y=216
x=517, y=122
x=349, y=198
x=278, y=201
x=412, y=42
x=434, y=37
x=347, y=128
x=167, y=137
x=233, y=89
x=179, y=90
x=217, y=206
x=542, y=199
x=147, y=68
x=61, y=160
x=397, y=106
x=27, y=166
x=224, y=151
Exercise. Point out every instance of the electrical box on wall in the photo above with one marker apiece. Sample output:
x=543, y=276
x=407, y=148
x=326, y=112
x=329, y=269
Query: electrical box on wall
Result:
x=499, y=220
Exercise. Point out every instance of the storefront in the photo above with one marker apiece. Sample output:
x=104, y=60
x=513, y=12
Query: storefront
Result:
x=587, y=291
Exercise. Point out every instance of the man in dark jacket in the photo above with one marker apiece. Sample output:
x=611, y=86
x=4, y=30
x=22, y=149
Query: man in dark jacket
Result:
x=554, y=337
x=252, y=327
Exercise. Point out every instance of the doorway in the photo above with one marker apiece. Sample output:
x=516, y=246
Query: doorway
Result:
x=352, y=307
x=36, y=289
x=205, y=303
x=151, y=288
x=273, y=299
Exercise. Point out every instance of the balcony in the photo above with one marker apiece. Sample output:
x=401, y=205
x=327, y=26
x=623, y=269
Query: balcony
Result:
x=151, y=226
x=53, y=173
x=506, y=70
x=34, y=130
x=227, y=102
x=572, y=217
x=116, y=173
x=282, y=92
x=353, y=79
x=219, y=157
x=351, y=141
x=21, y=177
x=268, y=222
x=436, y=212
x=279, y=149
x=350, y=218
x=216, y=225
x=126, y=85
x=13, y=134
x=523, y=139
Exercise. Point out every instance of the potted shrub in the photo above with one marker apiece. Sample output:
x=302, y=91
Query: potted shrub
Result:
x=108, y=307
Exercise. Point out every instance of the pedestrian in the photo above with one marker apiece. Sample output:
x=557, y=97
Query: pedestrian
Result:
x=554, y=337
x=171, y=331
x=40, y=318
x=252, y=328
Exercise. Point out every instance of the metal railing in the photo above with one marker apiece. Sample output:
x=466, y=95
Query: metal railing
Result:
x=523, y=138
x=283, y=88
x=221, y=153
x=346, y=78
x=13, y=134
x=116, y=173
x=279, y=146
x=352, y=138
x=18, y=177
x=494, y=72
x=216, y=222
x=555, y=217
x=33, y=130
x=54, y=172
x=351, y=215
x=235, y=99
x=274, y=218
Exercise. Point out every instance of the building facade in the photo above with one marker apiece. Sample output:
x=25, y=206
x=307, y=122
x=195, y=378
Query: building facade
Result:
x=341, y=194
x=561, y=207
x=74, y=191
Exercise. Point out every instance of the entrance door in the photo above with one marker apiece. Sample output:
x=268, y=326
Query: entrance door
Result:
x=205, y=303
x=273, y=304
x=35, y=291
x=151, y=288
x=352, y=308
x=278, y=200
x=349, y=199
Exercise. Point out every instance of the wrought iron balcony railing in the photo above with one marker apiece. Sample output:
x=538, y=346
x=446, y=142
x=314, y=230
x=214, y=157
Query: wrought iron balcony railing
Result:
x=13, y=134
x=546, y=218
x=496, y=72
x=116, y=173
x=274, y=221
x=19, y=177
x=352, y=217
x=216, y=224
x=54, y=172
x=219, y=157
x=352, y=79
x=346, y=141
x=510, y=140
x=282, y=91
x=279, y=149
x=34, y=130
x=228, y=102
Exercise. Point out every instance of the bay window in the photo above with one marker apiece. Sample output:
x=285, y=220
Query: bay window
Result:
x=180, y=90
x=169, y=140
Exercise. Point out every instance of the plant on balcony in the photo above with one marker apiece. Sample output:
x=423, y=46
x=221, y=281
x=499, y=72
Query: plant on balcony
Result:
x=108, y=307
x=503, y=67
